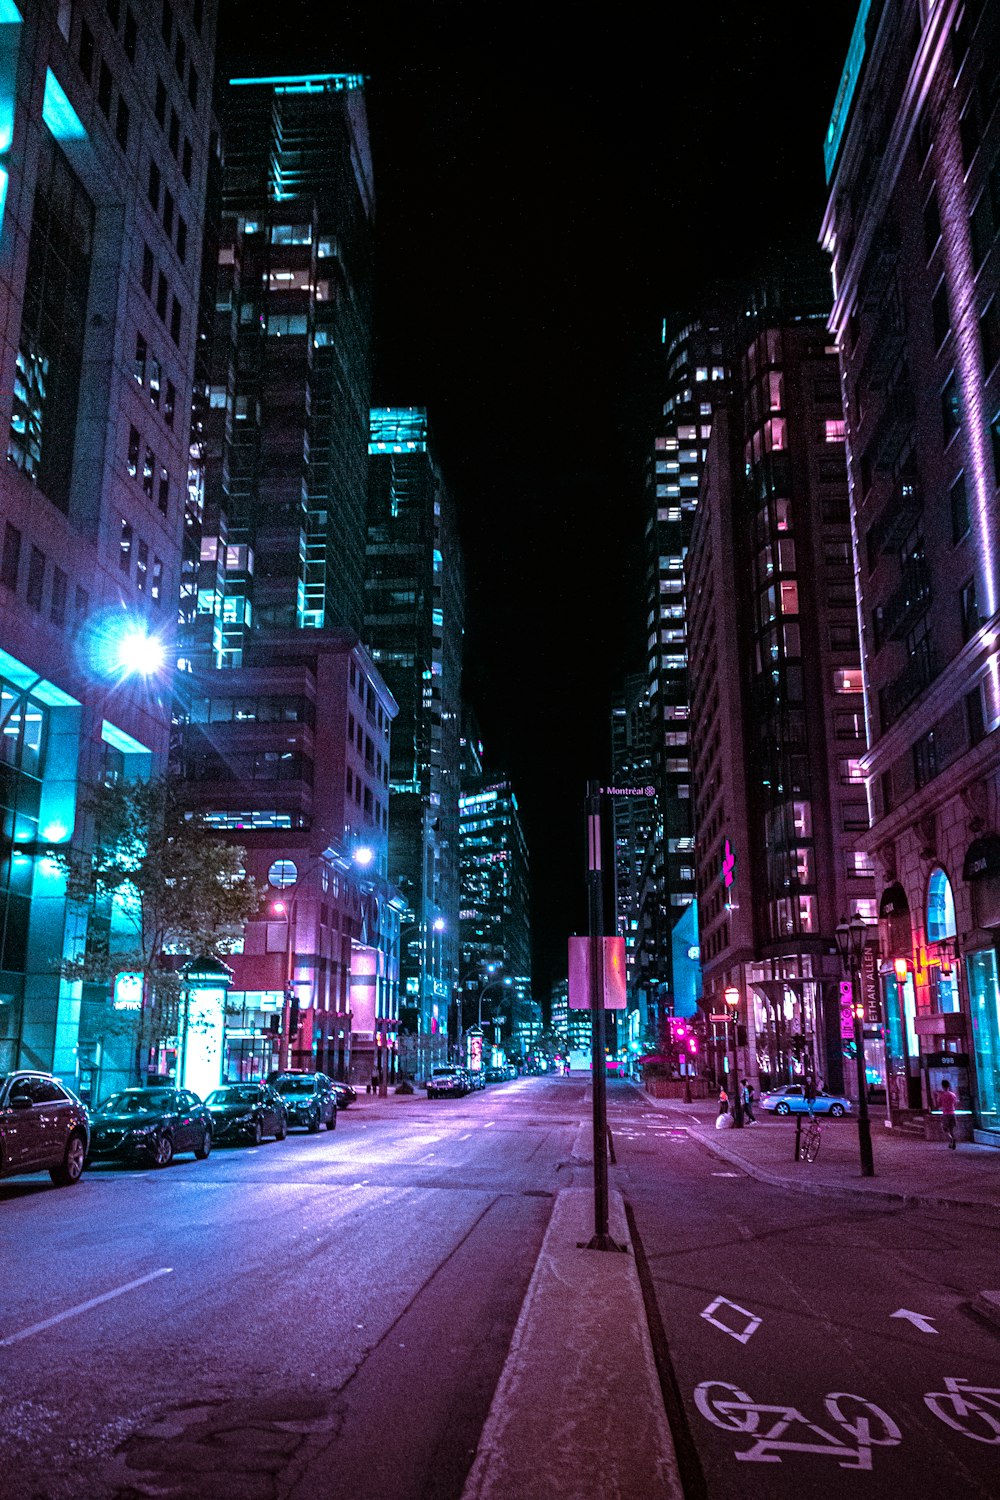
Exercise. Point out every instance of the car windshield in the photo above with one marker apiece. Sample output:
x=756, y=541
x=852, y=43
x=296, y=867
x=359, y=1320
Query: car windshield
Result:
x=295, y=1086
x=238, y=1094
x=445, y=1072
x=135, y=1104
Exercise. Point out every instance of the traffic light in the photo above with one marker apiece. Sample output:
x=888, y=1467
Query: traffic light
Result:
x=293, y=1013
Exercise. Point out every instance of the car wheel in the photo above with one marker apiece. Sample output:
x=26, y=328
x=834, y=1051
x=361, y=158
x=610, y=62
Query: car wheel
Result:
x=313, y=1126
x=71, y=1167
x=782, y=1109
x=836, y=1110
x=331, y=1123
x=258, y=1133
x=201, y=1152
x=280, y=1131
x=164, y=1153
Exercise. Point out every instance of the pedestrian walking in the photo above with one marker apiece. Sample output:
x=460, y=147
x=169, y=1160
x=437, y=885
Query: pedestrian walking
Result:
x=947, y=1100
x=723, y=1120
x=723, y=1102
x=748, y=1098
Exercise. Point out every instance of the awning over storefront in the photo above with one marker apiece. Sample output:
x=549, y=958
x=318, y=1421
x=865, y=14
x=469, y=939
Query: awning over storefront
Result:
x=982, y=859
x=894, y=902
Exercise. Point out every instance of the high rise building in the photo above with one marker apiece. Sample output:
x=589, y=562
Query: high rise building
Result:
x=912, y=229
x=106, y=123
x=289, y=753
x=495, y=913
x=283, y=720
x=414, y=621
x=777, y=728
x=283, y=457
x=634, y=822
x=693, y=381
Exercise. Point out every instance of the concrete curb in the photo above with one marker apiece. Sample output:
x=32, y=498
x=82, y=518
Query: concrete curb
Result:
x=578, y=1411
x=842, y=1190
x=987, y=1305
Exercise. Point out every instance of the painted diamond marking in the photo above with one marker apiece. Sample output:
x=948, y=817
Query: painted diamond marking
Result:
x=742, y=1336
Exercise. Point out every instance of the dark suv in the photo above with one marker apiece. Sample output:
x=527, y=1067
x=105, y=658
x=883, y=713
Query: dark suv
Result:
x=308, y=1098
x=43, y=1125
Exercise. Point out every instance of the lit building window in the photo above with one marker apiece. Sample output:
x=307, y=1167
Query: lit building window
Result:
x=833, y=430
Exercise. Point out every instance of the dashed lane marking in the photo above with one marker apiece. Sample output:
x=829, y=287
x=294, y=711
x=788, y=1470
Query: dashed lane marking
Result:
x=82, y=1307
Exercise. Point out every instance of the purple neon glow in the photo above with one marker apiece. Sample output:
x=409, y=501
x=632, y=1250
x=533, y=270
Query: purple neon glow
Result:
x=953, y=202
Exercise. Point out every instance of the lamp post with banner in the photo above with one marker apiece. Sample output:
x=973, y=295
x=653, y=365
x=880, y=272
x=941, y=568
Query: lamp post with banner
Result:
x=852, y=942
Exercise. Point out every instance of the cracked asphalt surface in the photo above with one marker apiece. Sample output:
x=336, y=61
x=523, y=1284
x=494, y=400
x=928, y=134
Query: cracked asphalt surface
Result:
x=331, y=1317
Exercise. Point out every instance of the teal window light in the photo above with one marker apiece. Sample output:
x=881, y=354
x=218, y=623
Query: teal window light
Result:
x=307, y=83
x=119, y=740
x=10, y=36
x=39, y=687
x=845, y=92
x=57, y=112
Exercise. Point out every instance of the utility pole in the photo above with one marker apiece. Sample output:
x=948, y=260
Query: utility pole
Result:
x=595, y=953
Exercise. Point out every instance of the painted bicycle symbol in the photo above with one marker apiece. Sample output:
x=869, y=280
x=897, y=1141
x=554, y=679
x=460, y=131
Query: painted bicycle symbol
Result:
x=972, y=1410
x=728, y=1407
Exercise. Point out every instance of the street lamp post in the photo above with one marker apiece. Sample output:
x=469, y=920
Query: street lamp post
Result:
x=852, y=939
x=731, y=995
x=487, y=985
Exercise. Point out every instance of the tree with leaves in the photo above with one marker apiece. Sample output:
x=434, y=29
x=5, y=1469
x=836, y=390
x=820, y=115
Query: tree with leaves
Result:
x=156, y=883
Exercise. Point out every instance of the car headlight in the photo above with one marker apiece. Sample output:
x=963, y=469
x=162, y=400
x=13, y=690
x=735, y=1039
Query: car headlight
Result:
x=246, y=1119
x=142, y=1132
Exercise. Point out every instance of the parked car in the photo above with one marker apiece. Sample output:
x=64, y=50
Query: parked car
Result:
x=477, y=1078
x=309, y=1099
x=43, y=1127
x=495, y=1075
x=345, y=1093
x=791, y=1100
x=150, y=1125
x=448, y=1083
x=247, y=1112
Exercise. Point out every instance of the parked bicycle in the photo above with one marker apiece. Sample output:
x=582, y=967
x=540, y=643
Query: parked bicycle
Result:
x=812, y=1137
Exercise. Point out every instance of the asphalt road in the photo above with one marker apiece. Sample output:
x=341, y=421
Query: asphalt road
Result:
x=341, y=1302
x=328, y=1317
x=772, y=1304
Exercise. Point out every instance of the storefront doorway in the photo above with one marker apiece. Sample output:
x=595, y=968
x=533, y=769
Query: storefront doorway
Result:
x=984, y=1006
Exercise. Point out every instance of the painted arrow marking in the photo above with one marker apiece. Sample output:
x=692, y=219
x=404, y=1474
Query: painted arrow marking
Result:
x=742, y=1336
x=919, y=1320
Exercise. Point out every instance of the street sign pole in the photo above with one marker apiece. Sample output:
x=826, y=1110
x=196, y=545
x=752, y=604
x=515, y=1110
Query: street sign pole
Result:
x=595, y=931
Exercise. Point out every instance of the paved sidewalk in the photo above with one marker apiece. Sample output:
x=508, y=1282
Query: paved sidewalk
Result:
x=578, y=1412
x=907, y=1169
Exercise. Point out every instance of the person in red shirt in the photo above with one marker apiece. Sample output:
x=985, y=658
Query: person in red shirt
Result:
x=947, y=1099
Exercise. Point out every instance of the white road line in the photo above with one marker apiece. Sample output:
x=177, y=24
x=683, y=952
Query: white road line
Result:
x=424, y=1159
x=72, y=1312
x=489, y=1124
x=466, y=1136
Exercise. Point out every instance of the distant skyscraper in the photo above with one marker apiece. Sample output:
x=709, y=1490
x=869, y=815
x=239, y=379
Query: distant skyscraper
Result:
x=693, y=381
x=105, y=125
x=283, y=720
x=414, y=621
x=913, y=229
x=776, y=721
x=286, y=435
x=495, y=912
x=470, y=750
x=634, y=820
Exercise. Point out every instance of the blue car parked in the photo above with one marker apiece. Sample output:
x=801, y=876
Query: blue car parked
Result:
x=791, y=1100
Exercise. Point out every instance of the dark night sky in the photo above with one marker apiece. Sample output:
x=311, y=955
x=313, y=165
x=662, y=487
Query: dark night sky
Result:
x=548, y=186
